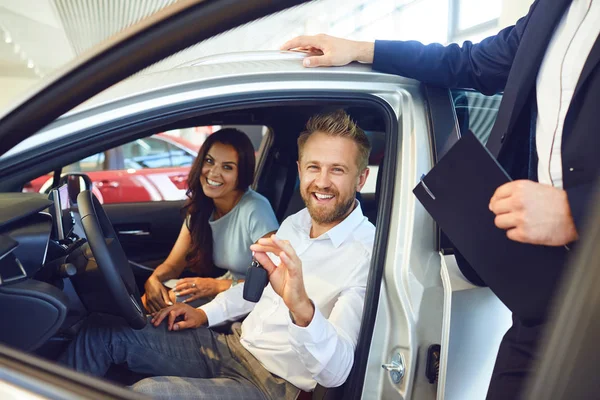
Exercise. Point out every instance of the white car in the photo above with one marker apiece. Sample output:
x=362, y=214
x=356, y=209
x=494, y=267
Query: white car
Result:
x=427, y=332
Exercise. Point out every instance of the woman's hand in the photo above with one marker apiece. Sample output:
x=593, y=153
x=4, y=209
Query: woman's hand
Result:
x=180, y=316
x=156, y=296
x=198, y=288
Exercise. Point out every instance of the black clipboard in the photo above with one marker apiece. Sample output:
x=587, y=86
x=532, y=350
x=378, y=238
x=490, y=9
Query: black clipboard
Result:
x=456, y=192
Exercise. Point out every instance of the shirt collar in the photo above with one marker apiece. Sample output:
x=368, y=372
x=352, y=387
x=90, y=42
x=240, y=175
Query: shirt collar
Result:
x=339, y=233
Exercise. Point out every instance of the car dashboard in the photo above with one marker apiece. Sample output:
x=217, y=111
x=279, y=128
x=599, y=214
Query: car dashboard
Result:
x=25, y=229
x=37, y=299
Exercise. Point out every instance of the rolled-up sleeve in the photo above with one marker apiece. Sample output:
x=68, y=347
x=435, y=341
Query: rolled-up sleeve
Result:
x=326, y=346
x=227, y=306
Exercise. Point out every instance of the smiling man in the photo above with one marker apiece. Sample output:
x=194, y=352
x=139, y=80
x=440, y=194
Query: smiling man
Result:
x=326, y=196
x=302, y=331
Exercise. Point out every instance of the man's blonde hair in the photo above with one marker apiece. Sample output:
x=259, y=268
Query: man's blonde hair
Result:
x=338, y=124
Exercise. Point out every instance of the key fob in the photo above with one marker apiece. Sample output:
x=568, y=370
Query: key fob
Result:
x=256, y=280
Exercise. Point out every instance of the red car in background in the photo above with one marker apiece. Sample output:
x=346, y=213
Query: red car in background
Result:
x=148, y=169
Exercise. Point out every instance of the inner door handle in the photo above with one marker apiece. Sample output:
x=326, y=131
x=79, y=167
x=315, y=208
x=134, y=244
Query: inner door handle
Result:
x=136, y=232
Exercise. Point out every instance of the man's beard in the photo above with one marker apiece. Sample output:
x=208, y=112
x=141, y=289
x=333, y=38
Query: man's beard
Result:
x=326, y=216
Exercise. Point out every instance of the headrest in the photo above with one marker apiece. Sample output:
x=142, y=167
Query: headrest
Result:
x=377, y=140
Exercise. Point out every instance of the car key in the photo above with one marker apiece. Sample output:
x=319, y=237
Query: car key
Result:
x=256, y=280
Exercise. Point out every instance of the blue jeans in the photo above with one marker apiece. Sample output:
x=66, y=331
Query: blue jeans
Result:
x=194, y=363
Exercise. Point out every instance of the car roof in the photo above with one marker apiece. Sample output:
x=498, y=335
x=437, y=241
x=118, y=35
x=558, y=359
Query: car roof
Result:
x=228, y=69
x=274, y=64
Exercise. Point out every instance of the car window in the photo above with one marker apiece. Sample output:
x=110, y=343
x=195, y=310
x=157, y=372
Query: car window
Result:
x=476, y=112
x=153, y=168
x=180, y=157
x=149, y=152
x=88, y=164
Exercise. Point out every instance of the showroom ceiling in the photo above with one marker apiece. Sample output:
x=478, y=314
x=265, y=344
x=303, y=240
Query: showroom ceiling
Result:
x=32, y=39
x=42, y=35
x=88, y=22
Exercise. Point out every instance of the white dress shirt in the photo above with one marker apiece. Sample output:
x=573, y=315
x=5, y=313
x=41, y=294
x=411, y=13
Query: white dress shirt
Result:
x=335, y=267
x=563, y=62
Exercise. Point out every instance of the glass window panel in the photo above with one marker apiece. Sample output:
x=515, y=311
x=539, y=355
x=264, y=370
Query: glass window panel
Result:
x=154, y=168
x=88, y=164
x=476, y=112
x=180, y=157
x=147, y=153
x=375, y=10
x=425, y=21
x=475, y=12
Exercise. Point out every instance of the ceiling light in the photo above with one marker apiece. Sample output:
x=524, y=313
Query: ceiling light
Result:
x=17, y=49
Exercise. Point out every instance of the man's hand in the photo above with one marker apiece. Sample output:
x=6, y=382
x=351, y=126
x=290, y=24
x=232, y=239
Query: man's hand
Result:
x=335, y=51
x=156, y=296
x=189, y=317
x=534, y=213
x=200, y=287
x=286, y=278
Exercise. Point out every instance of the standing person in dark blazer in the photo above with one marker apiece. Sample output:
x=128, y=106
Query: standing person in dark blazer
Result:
x=547, y=137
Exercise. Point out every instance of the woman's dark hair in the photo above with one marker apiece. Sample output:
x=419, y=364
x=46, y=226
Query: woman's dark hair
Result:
x=199, y=207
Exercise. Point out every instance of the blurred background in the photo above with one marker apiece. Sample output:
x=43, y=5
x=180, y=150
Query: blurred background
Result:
x=39, y=36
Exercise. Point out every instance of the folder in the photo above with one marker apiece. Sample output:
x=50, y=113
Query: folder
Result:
x=456, y=192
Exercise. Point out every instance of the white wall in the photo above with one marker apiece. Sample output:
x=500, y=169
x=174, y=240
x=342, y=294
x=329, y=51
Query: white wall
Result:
x=512, y=10
x=12, y=89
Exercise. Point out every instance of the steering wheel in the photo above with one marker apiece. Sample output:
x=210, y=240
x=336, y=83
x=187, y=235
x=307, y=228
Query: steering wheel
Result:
x=111, y=259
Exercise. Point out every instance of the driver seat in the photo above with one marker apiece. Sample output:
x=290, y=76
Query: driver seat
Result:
x=32, y=312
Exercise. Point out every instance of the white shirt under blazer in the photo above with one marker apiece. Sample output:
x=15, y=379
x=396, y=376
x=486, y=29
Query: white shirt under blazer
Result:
x=557, y=79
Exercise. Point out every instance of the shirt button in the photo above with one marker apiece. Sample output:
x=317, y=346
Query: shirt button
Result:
x=571, y=169
x=503, y=137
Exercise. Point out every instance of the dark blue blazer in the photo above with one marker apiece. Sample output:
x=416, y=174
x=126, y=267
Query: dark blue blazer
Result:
x=509, y=63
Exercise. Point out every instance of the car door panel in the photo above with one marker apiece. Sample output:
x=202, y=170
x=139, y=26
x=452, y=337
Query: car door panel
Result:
x=147, y=231
x=469, y=320
x=474, y=323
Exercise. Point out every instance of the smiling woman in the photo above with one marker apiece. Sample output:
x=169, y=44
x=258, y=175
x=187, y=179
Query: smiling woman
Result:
x=224, y=217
